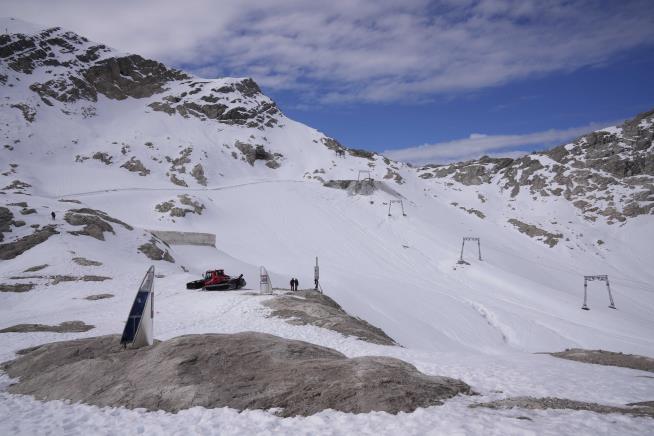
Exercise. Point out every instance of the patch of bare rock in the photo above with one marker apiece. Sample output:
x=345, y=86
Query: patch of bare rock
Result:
x=36, y=268
x=64, y=327
x=13, y=249
x=636, y=409
x=532, y=231
x=17, y=287
x=95, y=222
x=95, y=297
x=86, y=262
x=152, y=251
x=609, y=358
x=311, y=307
x=243, y=371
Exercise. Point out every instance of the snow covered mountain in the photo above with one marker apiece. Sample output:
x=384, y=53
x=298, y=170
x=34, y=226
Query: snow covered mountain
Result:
x=117, y=145
x=608, y=173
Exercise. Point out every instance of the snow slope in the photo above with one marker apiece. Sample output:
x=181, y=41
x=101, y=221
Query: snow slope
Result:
x=480, y=322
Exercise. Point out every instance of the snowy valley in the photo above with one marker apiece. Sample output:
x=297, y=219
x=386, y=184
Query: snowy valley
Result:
x=119, y=147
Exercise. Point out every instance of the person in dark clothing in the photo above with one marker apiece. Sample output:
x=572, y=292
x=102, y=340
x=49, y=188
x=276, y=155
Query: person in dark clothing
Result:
x=296, y=283
x=52, y=214
x=292, y=284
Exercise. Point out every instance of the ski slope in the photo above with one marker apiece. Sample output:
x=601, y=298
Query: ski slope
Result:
x=481, y=322
x=400, y=272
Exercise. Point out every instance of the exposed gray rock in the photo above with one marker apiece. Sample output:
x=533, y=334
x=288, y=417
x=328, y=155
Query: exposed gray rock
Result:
x=94, y=222
x=193, y=206
x=17, y=185
x=177, y=181
x=198, y=173
x=95, y=297
x=64, y=327
x=532, y=231
x=333, y=144
x=601, y=357
x=532, y=403
x=103, y=157
x=152, y=251
x=130, y=76
x=391, y=174
x=94, y=278
x=223, y=106
x=599, y=162
x=242, y=371
x=28, y=112
x=6, y=219
x=94, y=226
x=60, y=278
x=86, y=262
x=165, y=207
x=136, y=166
x=361, y=153
x=36, y=268
x=12, y=249
x=196, y=206
x=473, y=211
x=17, y=287
x=66, y=200
x=311, y=307
x=258, y=152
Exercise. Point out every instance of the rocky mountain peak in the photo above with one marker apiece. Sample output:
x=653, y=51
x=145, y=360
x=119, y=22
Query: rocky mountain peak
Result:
x=608, y=173
x=62, y=67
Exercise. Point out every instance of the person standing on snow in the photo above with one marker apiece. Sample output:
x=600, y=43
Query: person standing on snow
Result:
x=296, y=283
x=292, y=283
x=52, y=214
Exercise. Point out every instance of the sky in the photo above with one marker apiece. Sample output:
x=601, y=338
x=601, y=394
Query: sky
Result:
x=421, y=81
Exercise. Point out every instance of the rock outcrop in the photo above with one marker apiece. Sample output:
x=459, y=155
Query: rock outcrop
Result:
x=242, y=371
x=531, y=403
x=609, y=358
x=311, y=307
x=15, y=248
x=95, y=222
x=64, y=327
x=606, y=174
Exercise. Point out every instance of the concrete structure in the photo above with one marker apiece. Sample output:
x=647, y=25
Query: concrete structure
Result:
x=185, y=238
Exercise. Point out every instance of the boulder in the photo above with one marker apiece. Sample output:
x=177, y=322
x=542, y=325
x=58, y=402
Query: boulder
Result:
x=242, y=371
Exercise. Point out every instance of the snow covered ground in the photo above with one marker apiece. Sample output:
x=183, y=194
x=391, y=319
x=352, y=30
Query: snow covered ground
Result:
x=480, y=322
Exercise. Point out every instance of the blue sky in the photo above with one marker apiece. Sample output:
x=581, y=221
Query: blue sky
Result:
x=422, y=81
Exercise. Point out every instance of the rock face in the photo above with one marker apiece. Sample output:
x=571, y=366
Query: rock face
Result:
x=606, y=174
x=311, y=307
x=243, y=371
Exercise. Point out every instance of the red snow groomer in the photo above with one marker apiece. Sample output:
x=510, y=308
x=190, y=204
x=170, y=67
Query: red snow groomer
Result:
x=217, y=280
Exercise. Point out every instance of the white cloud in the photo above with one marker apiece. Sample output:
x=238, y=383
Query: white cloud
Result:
x=365, y=50
x=477, y=145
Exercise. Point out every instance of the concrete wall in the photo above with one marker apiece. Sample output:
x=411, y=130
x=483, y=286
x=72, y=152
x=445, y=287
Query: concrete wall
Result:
x=185, y=238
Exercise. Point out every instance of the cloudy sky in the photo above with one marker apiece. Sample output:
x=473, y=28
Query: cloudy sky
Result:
x=424, y=81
